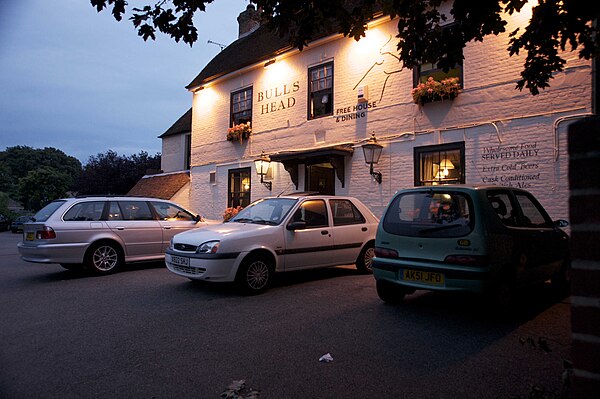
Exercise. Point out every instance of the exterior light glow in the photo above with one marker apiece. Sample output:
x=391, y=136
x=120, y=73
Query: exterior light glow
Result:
x=262, y=166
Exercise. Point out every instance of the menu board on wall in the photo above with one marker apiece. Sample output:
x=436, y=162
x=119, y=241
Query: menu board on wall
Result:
x=515, y=165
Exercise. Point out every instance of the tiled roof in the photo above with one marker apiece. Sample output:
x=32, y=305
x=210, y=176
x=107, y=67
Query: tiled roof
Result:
x=182, y=125
x=163, y=186
x=260, y=45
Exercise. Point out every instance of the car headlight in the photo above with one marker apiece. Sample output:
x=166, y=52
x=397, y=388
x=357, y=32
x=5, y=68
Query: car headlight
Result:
x=209, y=247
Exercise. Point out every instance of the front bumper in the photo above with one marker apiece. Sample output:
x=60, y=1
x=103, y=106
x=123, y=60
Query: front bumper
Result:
x=202, y=267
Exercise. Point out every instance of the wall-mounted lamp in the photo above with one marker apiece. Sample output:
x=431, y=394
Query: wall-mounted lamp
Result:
x=262, y=166
x=270, y=62
x=372, y=152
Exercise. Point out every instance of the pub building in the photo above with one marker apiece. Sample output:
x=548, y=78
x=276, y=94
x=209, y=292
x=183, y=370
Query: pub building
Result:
x=342, y=117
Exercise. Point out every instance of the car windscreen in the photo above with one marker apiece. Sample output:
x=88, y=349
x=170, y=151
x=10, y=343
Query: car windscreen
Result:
x=429, y=214
x=43, y=214
x=266, y=211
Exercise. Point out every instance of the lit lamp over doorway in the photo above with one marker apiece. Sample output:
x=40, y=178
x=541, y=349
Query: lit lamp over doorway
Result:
x=372, y=152
x=262, y=166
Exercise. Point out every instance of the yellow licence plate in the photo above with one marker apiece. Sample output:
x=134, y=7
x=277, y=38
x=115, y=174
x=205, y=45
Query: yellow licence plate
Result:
x=430, y=278
x=29, y=236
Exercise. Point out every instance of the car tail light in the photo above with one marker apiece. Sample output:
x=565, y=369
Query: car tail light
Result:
x=385, y=253
x=46, y=233
x=467, y=260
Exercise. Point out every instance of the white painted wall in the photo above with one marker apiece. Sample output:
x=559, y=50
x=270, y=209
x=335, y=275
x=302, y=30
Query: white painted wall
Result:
x=173, y=153
x=489, y=115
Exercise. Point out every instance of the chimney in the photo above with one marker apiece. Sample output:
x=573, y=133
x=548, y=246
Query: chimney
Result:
x=248, y=20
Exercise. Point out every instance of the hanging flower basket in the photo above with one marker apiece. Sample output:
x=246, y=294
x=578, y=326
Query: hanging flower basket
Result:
x=231, y=212
x=434, y=90
x=239, y=132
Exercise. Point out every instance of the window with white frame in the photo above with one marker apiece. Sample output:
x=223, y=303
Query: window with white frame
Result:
x=320, y=100
x=241, y=106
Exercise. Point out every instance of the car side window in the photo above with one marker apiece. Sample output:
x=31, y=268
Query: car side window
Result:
x=135, y=210
x=114, y=212
x=344, y=212
x=85, y=211
x=533, y=216
x=503, y=208
x=168, y=211
x=313, y=213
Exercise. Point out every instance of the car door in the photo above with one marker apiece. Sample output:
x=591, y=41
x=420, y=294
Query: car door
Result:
x=311, y=245
x=172, y=219
x=546, y=243
x=349, y=230
x=135, y=224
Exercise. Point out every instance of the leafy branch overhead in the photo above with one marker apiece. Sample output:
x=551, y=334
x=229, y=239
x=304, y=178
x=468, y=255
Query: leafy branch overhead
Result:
x=567, y=25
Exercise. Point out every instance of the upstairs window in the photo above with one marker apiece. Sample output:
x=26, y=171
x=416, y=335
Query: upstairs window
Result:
x=320, y=101
x=241, y=106
x=433, y=69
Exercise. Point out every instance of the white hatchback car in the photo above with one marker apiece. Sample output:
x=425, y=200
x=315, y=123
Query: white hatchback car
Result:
x=277, y=234
x=102, y=233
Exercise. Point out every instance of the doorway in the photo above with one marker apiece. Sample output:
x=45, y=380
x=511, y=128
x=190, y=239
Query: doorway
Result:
x=320, y=178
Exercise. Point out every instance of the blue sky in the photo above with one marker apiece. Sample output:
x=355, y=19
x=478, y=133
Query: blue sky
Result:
x=80, y=81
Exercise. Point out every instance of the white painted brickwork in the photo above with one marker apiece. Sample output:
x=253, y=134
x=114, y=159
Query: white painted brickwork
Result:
x=173, y=153
x=489, y=115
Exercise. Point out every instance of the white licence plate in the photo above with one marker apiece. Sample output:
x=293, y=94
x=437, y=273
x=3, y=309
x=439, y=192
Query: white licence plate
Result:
x=180, y=260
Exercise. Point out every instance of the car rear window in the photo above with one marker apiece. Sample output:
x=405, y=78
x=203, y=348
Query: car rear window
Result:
x=429, y=214
x=43, y=214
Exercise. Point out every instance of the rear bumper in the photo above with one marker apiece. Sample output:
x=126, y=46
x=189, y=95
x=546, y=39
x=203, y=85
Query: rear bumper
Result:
x=456, y=277
x=53, y=253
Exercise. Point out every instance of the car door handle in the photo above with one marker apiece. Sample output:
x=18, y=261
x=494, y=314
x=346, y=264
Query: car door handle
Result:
x=364, y=229
x=324, y=232
x=167, y=227
x=120, y=228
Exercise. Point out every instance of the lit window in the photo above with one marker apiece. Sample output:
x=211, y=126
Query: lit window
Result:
x=238, y=188
x=320, y=101
x=241, y=106
x=440, y=164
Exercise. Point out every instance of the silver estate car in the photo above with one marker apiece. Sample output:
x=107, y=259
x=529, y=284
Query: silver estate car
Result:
x=101, y=233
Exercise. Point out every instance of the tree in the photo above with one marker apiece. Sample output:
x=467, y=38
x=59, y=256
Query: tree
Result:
x=555, y=25
x=19, y=162
x=111, y=173
x=42, y=185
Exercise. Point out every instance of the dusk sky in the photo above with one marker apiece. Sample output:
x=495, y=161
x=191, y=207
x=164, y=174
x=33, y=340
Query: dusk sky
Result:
x=78, y=80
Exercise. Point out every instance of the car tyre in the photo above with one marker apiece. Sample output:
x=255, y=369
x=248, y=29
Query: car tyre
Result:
x=103, y=258
x=364, y=263
x=254, y=275
x=390, y=293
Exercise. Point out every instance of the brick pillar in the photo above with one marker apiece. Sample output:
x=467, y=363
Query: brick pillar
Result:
x=584, y=205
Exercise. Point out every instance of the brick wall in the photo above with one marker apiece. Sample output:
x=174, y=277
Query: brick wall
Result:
x=584, y=182
x=488, y=113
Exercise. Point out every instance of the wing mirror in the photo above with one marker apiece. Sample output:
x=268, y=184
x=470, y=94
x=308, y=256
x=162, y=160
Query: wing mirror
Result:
x=197, y=218
x=561, y=223
x=296, y=226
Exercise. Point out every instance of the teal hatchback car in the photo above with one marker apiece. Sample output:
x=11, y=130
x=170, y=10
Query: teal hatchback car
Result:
x=487, y=240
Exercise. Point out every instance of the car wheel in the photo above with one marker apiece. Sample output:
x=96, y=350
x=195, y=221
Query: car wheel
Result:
x=501, y=296
x=364, y=263
x=254, y=275
x=561, y=280
x=390, y=293
x=104, y=258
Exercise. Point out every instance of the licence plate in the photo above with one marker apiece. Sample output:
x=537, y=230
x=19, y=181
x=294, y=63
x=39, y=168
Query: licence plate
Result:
x=180, y=260
x=29, y=236
x=430, y=278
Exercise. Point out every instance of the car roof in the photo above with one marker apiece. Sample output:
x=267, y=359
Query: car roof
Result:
x=462, y=187
x=109, y=197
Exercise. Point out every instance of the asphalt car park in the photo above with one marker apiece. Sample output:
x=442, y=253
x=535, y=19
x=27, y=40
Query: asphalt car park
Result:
x=145, y=332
